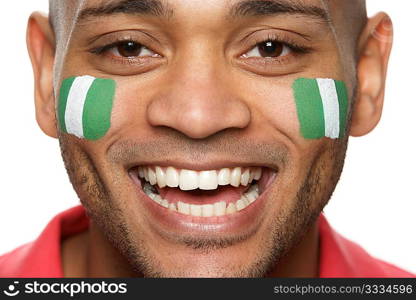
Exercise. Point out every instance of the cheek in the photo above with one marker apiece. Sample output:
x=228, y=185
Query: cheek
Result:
x=321, y=105
x=129, y=111
x=278, y=109
x=124, y=107
x=85, y=106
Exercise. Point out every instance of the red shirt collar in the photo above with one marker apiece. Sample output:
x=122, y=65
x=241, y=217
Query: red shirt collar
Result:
x=339, y=257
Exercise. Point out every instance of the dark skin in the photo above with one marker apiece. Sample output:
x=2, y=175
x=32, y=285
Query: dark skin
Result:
x=201, y=70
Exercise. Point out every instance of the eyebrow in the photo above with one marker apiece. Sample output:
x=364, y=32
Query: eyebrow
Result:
x=245, y=8
x=255, y=8
x=139, y=7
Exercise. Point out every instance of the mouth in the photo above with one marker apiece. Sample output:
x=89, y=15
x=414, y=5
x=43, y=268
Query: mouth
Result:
x=228, y=197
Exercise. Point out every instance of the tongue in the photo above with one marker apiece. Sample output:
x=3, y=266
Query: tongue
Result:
x=226, y=193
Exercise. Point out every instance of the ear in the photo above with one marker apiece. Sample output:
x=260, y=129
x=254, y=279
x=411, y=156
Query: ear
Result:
x=40, y=43
x=375, y=46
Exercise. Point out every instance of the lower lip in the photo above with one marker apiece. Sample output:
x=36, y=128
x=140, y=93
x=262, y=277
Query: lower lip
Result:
x=241, y=222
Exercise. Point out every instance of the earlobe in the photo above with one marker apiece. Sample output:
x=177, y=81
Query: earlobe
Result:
x=375, y=46
x=40, y=43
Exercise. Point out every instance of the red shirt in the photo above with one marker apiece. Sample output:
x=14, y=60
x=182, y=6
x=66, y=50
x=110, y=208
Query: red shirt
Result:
x=339, y=257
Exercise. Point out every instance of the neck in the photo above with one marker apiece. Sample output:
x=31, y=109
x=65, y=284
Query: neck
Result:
x=303, y=259
x=90, y=254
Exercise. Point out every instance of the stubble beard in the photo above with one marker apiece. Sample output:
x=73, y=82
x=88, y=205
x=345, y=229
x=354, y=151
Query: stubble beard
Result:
x=289, y=225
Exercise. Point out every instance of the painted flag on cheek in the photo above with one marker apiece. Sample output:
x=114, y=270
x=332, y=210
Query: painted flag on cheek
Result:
x=85, y=105
x=322, y=105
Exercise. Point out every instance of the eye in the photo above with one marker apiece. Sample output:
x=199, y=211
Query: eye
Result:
x=268, y=49
x=130, y=49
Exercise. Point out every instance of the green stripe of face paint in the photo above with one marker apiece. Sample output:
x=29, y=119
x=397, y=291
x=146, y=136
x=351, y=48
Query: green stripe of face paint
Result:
x=343, y=106
x=96, y=117
x=309, y=108
x=63, y=98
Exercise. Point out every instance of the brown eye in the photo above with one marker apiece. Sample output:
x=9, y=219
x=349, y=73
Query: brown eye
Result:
x=268, y=49
x=131, y=49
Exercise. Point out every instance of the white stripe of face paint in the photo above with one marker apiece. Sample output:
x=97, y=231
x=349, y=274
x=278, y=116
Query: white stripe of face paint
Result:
x=330, y=104
x=75, y=105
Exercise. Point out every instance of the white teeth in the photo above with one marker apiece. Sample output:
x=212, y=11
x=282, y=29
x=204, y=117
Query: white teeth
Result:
x=184, y=208
x=251, y=176
x=161, y=177
x=164, y=203
x=152, y=176
x=153, y=196
x=146, y=176
x=206, y=210
x=172, y=206
x=231, y=209
x=219, y=208
x=172, y=177
x=224, y=176
x=235, y=178
x=196, y=210
x=188, y=180
x=245, y=200
x=257, y=173
x=240, y=204
x=245, y=177
x=158, y=199
x=208, y=180
x=205, y=180
x=141, y=172
x=251, y=196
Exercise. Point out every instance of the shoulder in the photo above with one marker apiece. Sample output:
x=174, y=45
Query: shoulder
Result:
x=42, y=257
x=341, y=257
x=366, y=265
x=12, y=262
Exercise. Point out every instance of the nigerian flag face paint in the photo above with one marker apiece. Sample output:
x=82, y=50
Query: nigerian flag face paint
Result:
x=85, y=105
x=322, y=105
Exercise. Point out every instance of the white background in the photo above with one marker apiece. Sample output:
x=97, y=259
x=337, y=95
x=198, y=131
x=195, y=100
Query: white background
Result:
x=374, y=203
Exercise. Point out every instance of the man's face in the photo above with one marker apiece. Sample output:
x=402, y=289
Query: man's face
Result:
x=204, y=86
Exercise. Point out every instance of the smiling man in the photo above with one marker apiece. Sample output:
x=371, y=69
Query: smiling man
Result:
x=203, y=137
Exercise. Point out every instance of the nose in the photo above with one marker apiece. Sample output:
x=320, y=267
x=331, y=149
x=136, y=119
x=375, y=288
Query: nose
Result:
x=198, y=100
